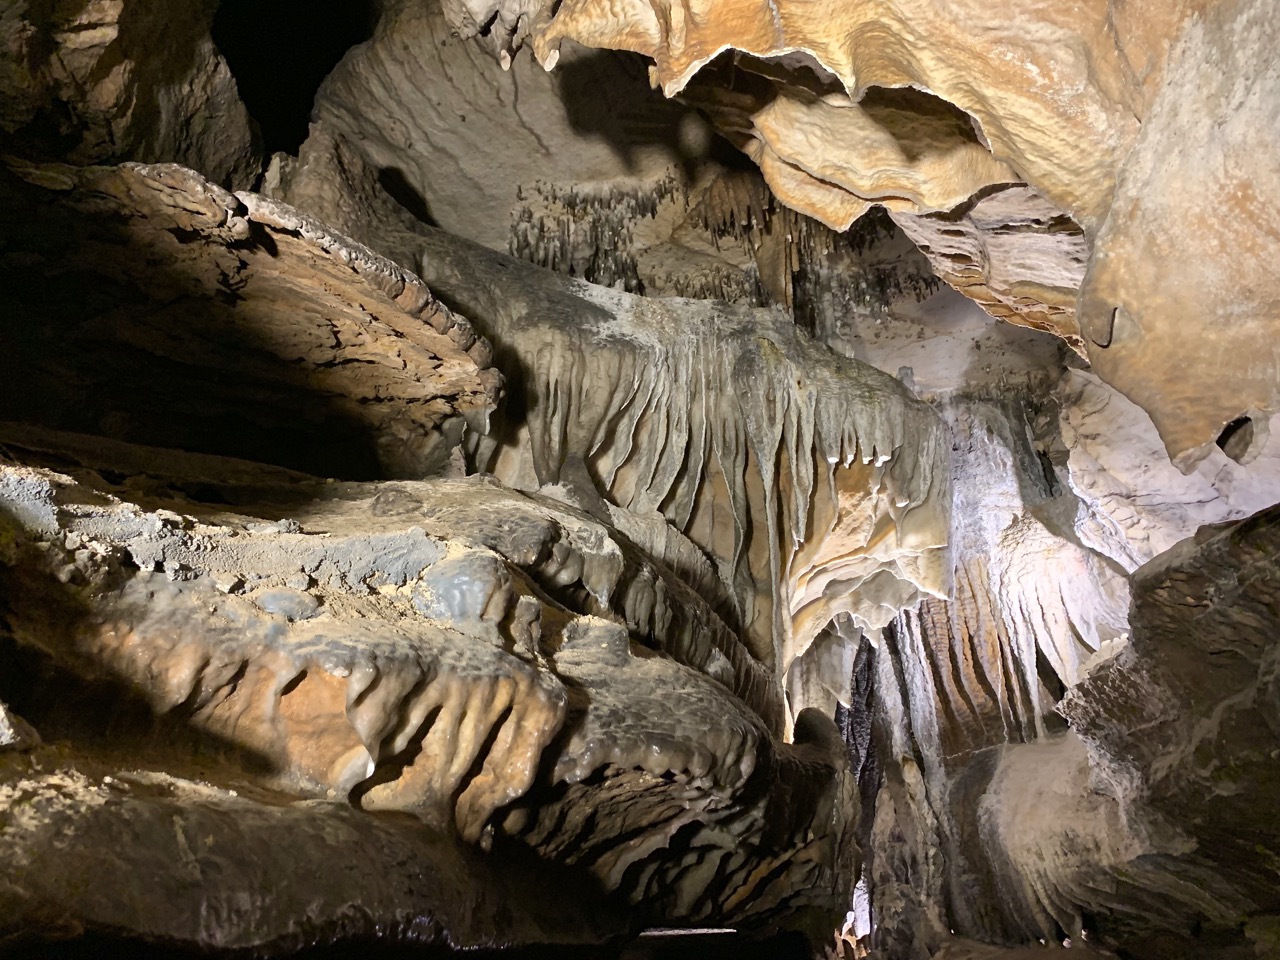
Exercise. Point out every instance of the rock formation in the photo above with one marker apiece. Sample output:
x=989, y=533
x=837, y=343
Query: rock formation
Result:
x=1083, y=105
x=796, y=482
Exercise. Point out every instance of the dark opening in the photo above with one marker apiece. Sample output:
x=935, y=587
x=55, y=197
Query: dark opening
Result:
x=1054, y=689
x=722, y=946
x=1051, y=485
x=1236, y=438
x=279, y=52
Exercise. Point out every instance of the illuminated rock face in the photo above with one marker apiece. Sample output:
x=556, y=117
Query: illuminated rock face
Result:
x=527, y=518
x=796, y=484
x=1109, y=115
x=389, y=647
x=539, y=671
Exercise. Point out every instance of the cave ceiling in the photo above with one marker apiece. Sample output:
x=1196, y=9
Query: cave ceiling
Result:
x=640, y=478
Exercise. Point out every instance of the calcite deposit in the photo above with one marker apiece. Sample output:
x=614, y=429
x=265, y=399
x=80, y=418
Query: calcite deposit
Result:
x=1083, y=104
x=781, y=481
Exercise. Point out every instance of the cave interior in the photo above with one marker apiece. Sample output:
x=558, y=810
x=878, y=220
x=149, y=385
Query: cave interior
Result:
x=639, y=479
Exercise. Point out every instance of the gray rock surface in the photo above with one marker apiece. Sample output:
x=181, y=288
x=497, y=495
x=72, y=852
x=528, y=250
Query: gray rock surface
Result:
x=424, y=671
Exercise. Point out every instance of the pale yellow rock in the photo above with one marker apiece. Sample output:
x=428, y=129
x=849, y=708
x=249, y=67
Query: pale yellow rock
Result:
x=908, y=151
x=1177, y=103
x=1181, y=305
x=1051, y=87
x=1011, y=252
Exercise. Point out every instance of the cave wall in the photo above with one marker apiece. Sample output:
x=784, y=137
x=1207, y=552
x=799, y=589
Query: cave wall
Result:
x=1082, y=105
x=514, y=488
x=82, y=81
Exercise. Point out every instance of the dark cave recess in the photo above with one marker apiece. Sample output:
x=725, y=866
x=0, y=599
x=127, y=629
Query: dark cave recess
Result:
x=280, y=51
x=672, y=946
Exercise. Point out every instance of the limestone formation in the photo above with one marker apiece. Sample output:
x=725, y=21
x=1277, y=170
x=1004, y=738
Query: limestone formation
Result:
x=786, y=481
x=376, y=648
x=1182, y=720
x=114, y=80
x=204, y=306
x=1212, y=123
x=1011, y=252
x=617, y=394
x=1083, y=105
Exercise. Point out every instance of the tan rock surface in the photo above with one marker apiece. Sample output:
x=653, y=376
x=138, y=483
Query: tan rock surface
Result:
x=1011, y=252
x=1073, y=101
x=476, y=657
x=723, y=432
x=1181, y=305
x=112, y=80
x=1051, y=89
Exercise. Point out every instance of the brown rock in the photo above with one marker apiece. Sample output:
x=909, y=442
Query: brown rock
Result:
x=222, y=323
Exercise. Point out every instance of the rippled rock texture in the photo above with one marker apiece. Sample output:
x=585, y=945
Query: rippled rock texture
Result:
x=541, y=674
x=197, y=317
x=348, y=649
x=548, y=507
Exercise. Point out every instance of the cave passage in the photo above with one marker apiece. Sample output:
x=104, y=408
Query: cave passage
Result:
x=281, y=50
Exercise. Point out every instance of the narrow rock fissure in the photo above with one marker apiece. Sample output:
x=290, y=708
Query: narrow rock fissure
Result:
x=280, y=51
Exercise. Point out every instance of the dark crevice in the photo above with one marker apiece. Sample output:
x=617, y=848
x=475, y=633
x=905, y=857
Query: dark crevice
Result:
x=1236, y=438
x=281, y=50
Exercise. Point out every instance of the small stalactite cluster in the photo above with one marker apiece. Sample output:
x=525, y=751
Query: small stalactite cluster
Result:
x=838, y=278
x=587, y=230
x=772, y=255
x=807, y=267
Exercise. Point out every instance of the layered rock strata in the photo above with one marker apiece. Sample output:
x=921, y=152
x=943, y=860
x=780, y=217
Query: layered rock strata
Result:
x=391, y=647
x=198, y=317
x=707, y=432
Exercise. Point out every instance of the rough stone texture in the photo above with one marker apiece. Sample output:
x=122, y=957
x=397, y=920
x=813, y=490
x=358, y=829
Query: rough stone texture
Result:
x=1126, y=828
x=627, y=190
x=848, y=512
x=1011, y=252
x=723, y=431
x=1060, y=487
x=940, y=49
x=1184, y=722
x=427, y=672
x=118, y=847
x=905, y=149
x=702, y=532
x=86, y=82
x=588, y=185
x=422, y=105
x=1134, y=503
x=956, y=679
x=199, y=318
x=1074, y=101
